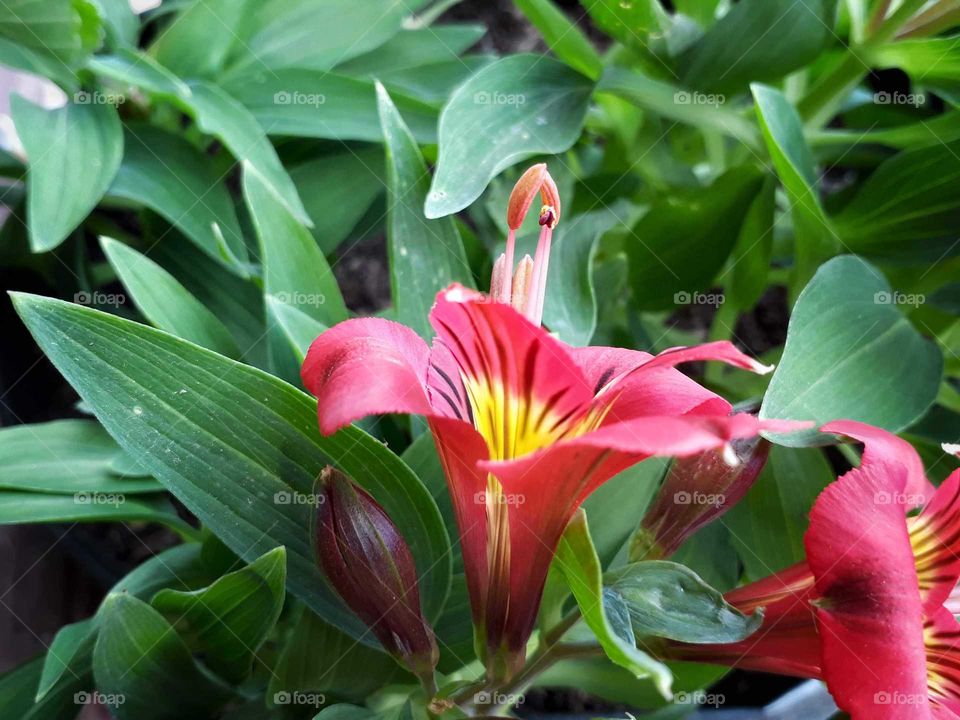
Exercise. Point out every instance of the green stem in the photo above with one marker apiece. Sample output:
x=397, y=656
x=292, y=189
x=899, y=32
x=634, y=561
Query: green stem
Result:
x=820, y=103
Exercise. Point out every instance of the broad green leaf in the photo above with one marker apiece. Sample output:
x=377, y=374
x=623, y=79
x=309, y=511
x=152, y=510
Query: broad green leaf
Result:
x=431, y=84
x=294, y=269
x=675, y=103
x=346, y=712
x=67, y=30
x=758, y=40
x=165, y=302
x=186, y=44
x=64, y=456
x=277, y=34
x=318, y=658
x=234, y=444
x=20, y=57
x=515, y=108
x=846, y=331
x=667, y=600
x=74, y=153
x=17, y=508
x=316, y=104
x=605, y=613
x=300, y=329
x=140, y=659
x=17, y=694
x=412, y=49
x=165, y=173
x=425, y=255
x=566, y=40
x=570, y=307
x=232, y=617
x=70, y=652
x=767, y=526
x=679, y=246
x=815, y=239
x=750, y=261
x=908, y=207
x=337, y=191
x=120, y=22
x=215, y=112
x=628, y=22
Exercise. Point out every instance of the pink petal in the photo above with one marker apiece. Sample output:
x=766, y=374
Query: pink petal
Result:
x=935, y=534
x=884, y=448
x=869, y=613
x=363, y=367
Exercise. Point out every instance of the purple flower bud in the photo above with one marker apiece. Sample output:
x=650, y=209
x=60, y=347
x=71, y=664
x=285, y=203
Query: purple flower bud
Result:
x=697, y=490
x=369, y=564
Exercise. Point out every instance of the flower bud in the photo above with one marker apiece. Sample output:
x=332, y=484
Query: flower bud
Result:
x=370, y=565
x=697, y=490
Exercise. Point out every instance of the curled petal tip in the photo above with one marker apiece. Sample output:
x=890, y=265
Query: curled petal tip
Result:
x=951, y=448
x=760, y=369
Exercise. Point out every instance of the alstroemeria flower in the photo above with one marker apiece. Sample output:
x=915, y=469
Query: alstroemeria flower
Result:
x=526, y=428
x=865, y=611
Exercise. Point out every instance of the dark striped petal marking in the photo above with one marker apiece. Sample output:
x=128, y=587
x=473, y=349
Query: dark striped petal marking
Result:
x=935, y=537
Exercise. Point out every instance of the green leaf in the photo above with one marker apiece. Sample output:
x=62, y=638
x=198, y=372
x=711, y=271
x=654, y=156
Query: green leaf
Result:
x=566, y=40
x=64, y=456
x=165, y=302
x=67, y=30
x=318, y=658
x=515, y=108
x=681, y=244
x=300, y=329
x=140, y=659
x=750, y=262
x=188, y=47
x=767, y=526
x=233, y=444
x=604, y=613
x=20, y=57
x=232, y=617
x=425, y=255
x=277, y=34
x=928, y=61
x=337, y=207
x=674, y=103
x=18, y=508
x=412, y=49
x=310, y=103
x=815, y=239
x=907, y=207
x=294, y=269
x=17, y=689
x=570, y=308
x=758, y=40
x=627, y=22
x=121, y=23
x=215, y=112
x=167, y=174
x=74, y=153
x=667, y=600
x=845, y=332
x=70, y=652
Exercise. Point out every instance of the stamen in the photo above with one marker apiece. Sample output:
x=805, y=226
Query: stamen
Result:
x=504, y=295
x=540, y=266
x=521, y=285
x=498, y=280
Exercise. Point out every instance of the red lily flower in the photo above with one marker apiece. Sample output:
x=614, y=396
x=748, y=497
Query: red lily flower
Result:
x=866, y=611
x=526, y=427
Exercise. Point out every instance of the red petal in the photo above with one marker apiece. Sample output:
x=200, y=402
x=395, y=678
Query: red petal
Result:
x=883, y=448
x=652, y=391
x=943, y=663
x=366, y=367
x=935, y=534
x=870, y=615
x=721, y=350
x=524, y=389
